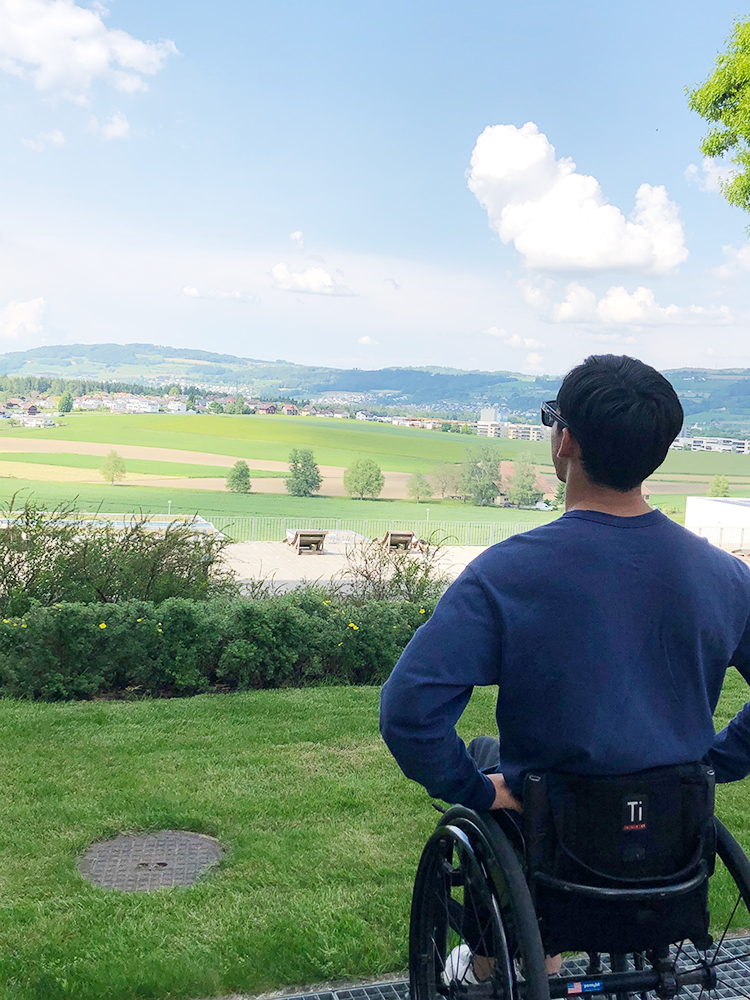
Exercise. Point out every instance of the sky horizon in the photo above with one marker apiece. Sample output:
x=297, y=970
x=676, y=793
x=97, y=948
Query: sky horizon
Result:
x=489, y=188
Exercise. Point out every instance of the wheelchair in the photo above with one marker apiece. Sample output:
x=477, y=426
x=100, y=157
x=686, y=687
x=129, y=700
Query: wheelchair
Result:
x=615, y=869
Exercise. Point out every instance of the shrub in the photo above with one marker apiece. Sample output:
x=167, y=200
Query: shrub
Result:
x=183, y=647
x=53, y=556
x=304, y=477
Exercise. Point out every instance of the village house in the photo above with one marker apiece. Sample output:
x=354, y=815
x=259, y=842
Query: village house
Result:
x=290, y=410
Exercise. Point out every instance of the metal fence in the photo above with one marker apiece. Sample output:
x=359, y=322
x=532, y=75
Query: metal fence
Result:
x=272, y=529
x=730, y=537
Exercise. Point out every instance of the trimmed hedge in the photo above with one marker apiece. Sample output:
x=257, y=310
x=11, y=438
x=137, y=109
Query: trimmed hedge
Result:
x=183, y=647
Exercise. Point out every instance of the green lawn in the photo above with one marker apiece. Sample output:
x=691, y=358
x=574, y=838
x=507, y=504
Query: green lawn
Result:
x=123, y=498
x=321, y=830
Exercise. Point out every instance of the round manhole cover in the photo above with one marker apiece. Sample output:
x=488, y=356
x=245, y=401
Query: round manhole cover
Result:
x=145, y=861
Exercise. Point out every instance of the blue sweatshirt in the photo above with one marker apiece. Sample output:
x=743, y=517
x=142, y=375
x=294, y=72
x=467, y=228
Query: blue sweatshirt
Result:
x=608, y=638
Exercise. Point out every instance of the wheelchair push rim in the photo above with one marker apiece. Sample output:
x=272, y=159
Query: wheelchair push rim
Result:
x=470, y=893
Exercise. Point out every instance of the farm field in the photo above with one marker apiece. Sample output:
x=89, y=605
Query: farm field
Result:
x=123, y=498
x=322, y=836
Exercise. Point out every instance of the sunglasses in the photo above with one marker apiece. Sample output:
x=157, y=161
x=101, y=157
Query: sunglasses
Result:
x=550, y=416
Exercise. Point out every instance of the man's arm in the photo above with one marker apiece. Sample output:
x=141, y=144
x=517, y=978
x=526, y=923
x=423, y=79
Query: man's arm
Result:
x=458, y=648
x=730, y=753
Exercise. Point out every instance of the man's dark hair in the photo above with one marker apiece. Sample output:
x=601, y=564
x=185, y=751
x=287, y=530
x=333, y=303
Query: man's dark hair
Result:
x=623, y=414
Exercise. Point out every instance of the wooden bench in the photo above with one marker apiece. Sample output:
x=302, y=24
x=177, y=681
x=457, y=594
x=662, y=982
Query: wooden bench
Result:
x=309, y=541
x=395, y=540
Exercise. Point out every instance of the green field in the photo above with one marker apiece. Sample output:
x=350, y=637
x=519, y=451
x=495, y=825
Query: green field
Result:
x=137, y=466
x=335, y=442
x=123, y=498
x=322, y=837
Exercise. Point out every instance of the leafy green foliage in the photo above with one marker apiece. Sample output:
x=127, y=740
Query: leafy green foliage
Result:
x=363, y=479
x=560, y=496
x=418, y=488
x=304, y=477
x=480, y=476
x=183, y=646
x=113, y=469
x=54, y=556
x=719, y=487
x=522, y=490
x=66, y=402
x=724, y=101
x=238, y=478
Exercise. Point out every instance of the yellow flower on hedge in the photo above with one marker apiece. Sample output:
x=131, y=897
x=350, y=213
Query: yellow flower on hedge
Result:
x=341, y=644
x=160, y=630
x=139, y=619
x=421, y=611
x=103, y=625
x=5, y=621
x=24, y=625
x=352, y=625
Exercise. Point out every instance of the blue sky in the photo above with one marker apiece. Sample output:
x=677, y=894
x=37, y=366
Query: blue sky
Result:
x=307, y=181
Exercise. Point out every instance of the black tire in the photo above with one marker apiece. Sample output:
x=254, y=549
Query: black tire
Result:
x=470, y=890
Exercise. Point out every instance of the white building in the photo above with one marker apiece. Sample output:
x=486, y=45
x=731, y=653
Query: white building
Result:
x=141, y=404
x=528, y=432
x=176, y=406
x=720, y=444
x=490, y=426
x=37, y=421
x=724, y=521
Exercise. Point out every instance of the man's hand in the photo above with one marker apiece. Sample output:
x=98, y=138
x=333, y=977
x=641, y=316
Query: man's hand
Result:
x=503, y=797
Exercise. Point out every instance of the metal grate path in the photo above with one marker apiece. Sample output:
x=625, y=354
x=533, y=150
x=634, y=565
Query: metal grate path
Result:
x=734, y=978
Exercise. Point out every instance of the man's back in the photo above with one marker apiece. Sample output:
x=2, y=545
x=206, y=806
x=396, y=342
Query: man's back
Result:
x=608, y=638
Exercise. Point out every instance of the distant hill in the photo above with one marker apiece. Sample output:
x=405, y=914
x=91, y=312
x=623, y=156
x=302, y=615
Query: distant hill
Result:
x=718, y=397
x=439, y=388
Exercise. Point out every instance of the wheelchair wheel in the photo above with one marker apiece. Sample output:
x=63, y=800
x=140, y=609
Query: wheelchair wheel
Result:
x=473, y=929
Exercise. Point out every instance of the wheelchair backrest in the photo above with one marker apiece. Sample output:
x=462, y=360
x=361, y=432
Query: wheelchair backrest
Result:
x=650, y=826
x=643, y=831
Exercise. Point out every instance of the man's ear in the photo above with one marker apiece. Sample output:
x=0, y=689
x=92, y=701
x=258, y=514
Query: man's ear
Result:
x=569, y=447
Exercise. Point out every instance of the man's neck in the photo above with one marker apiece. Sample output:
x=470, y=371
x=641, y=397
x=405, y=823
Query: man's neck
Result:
x=581, y=494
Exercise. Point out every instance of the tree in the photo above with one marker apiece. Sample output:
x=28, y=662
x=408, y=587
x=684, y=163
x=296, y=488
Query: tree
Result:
x=113, y=468
x=216, y=407
x=522, y=490
x=66, y=402
x=560, y=495
x=363, y=479
x=446, y=478
x=304, y=477
x=238, y=478
x=719, y=487
x=480, y=476
x=724, y=101
x=418, y=488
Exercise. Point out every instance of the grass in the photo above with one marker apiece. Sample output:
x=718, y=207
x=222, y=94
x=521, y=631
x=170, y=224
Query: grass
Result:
x=139, y=466
x=322, y=835
x=335, y=442
x=122, y=498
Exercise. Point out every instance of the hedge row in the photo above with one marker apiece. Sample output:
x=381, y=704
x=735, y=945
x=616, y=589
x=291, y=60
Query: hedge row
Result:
x=183, y=647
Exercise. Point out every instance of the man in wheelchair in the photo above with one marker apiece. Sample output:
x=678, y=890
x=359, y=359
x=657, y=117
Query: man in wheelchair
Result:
x=588, y=826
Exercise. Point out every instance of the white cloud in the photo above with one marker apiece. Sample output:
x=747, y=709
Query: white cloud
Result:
x=534, y=360
x=314, y=281
x=297, y=239
x=559, y=219
x=193, y=293
x=619, y=307
x=513, y=340
x=62, y=47
x=711, y=174
x=393, y=283
x=116, y=127
x=21, y=317
x=736, y=262
x=368, y=342
x=54, y=138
